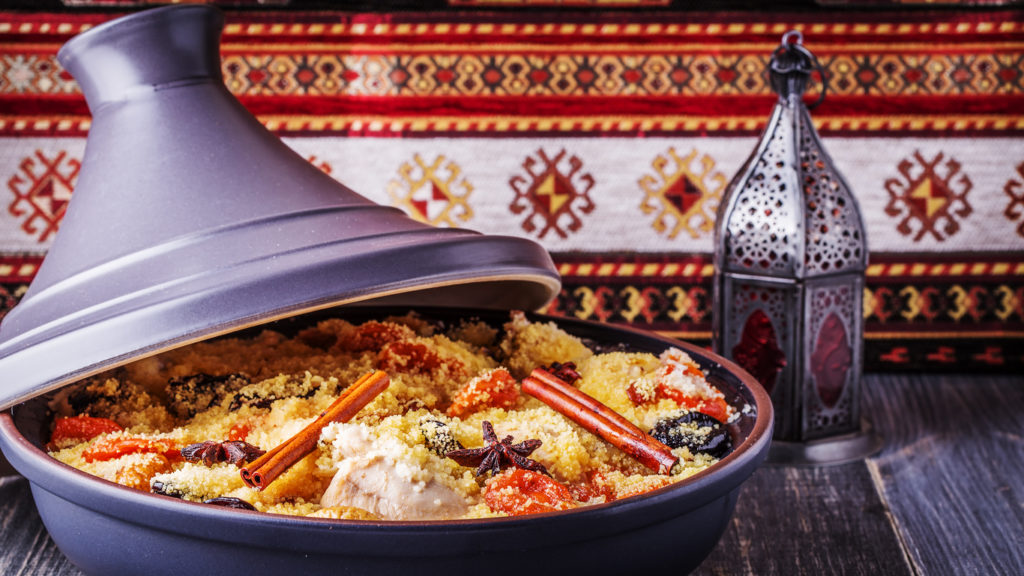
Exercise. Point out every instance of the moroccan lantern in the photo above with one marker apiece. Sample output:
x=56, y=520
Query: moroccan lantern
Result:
x=790, y=256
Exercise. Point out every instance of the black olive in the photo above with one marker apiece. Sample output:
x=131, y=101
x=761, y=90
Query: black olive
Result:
x=695, y=430
x=438, y=437
x=293, y=388
x=229, y=502
x=158, y=487
x=190, y=395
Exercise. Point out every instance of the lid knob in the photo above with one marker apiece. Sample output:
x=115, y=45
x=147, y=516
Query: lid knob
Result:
x=109, y=70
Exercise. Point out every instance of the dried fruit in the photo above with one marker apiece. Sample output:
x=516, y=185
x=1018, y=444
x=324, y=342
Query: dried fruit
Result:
x=139, y=474
x=258, y=396
x=230, y=502
x=699, y=432
x=190, y=395
x=520, y=492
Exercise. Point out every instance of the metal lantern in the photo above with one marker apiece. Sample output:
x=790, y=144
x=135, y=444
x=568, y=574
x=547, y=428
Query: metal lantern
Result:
x=790, y=256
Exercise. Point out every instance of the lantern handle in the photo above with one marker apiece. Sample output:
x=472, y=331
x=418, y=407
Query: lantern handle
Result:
x=794, y=40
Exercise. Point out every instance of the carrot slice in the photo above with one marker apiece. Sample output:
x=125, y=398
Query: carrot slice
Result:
x=519, y=492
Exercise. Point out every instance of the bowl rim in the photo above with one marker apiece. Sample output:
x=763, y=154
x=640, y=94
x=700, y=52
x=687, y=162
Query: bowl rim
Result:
x=669, y=501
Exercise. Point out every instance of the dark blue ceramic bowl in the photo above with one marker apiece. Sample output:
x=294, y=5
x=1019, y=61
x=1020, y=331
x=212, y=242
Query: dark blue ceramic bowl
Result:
x=105, y=528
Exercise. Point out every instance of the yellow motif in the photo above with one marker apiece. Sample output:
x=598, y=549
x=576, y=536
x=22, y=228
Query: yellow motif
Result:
x=682, y=303
x=428, y=193
x=913, y=302
x=1008, y=302
x=960, y=305
x=684, y=198
x=588, y=302
x=634, y=303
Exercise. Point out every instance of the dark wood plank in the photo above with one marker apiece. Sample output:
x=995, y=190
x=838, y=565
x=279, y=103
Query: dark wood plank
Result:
x=25, y=547
x=826, y=520
x=953, y=469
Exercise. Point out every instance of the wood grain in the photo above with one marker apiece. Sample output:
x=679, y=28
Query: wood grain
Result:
x=953, y=470
x=25, y=547
x=827, y=520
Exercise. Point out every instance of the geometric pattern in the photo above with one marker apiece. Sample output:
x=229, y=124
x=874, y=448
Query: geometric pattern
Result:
x=609, y=136
x=431, y=196
x=684, y=199
x=42, y=190
x=269, y=74
x=931, y=197
x=1014, y=188
x=553, y=194
x=920, y=311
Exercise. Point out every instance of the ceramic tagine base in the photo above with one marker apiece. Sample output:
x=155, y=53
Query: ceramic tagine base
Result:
x=840, y=449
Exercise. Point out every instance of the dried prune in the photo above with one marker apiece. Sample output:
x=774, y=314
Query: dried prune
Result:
x=230, y=502
x=262, y=395
x=695, y=430
x=190, y=395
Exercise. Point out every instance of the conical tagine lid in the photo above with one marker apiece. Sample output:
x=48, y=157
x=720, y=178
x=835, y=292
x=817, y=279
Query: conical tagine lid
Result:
x=189, y=219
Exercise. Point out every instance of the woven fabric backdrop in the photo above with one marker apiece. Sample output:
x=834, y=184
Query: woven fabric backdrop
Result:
x=609, y=138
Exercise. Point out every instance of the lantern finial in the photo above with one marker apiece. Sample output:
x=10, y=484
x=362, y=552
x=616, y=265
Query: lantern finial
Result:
x=791, y=66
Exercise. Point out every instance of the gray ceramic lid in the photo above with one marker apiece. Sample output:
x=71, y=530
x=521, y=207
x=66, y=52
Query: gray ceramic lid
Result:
x=189, y=220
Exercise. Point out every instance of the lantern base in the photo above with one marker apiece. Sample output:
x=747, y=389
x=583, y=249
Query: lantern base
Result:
x=826, y=451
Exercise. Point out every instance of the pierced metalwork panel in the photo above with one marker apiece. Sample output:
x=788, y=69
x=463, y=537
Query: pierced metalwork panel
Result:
x=762, y=226
x=832, y=350
x=835, y=233
x=749, y=305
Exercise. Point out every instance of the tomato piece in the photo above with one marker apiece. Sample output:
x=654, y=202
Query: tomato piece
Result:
x=373, y=335
x=496, y=389
x=75, y=429
x=117, y=446
x=519, y=492
x=239, y=432
x=717, y=408
x=591, y=490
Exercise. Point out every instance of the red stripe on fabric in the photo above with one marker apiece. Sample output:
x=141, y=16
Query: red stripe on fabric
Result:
x=647, y=106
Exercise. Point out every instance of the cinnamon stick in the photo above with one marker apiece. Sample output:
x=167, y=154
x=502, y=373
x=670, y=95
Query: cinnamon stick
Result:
x=265, y=469
x=599, y=419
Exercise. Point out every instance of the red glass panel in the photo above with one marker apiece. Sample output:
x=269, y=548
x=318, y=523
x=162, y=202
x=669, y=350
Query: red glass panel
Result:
x=758, y=350
x=831, y=360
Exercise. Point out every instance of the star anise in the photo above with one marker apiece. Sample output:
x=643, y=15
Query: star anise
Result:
x=211, y=452
x=498, y=454
x=565, y=372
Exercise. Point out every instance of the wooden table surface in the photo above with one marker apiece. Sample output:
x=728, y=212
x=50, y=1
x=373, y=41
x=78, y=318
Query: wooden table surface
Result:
x=944, y=496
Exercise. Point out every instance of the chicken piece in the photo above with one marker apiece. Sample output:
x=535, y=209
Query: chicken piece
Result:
x=376, y=477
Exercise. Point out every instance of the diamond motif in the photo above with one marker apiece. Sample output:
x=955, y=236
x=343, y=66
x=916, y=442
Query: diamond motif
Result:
x=684, y=198
x=430, y=192
x=554, y=191
x=930, y=197
x=42, y=190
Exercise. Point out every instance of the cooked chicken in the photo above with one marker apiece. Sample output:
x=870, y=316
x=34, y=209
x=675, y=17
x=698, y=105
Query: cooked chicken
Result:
x=371, y=477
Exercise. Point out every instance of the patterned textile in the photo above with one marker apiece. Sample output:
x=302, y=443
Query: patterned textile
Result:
x=609, y=138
